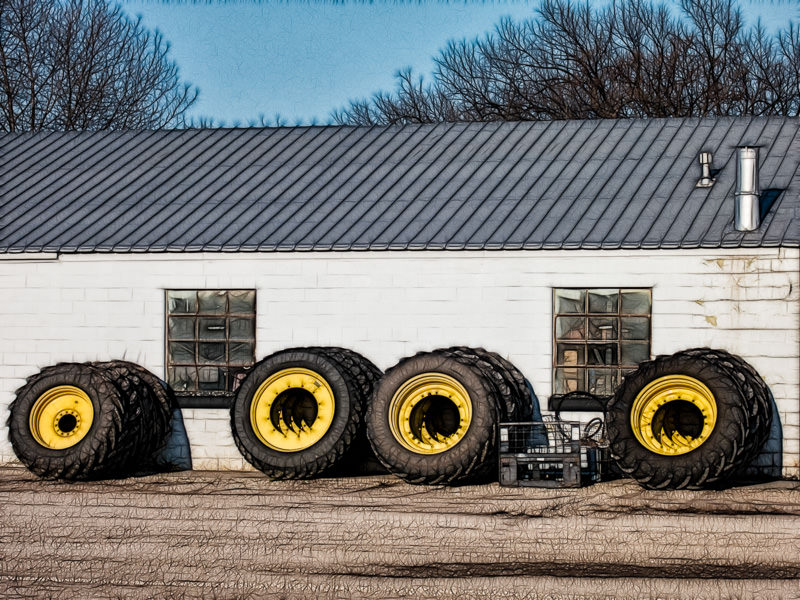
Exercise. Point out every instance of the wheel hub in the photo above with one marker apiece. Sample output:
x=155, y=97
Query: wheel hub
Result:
x=673, y=415
x=430, y=413
x=66, y=422
x=292, y=410
x=61, y=417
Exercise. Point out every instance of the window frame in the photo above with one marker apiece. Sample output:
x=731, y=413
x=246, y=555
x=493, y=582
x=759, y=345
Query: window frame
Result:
x=620, y=368
x=208, y=398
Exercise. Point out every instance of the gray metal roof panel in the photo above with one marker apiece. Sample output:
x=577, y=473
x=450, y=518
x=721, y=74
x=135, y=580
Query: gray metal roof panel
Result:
x=424, y=190
x=221, y=223
x=687, y=200
x=297, y=202
x=338, y=191
x=360, y=196
x=392, y=197
x=603, y=160
x=83, y=197
x=125, y=204
x=678, y=189
x=262, y=199
x=580, y=215
x=632, y=223
x=197, y=196
x=35, y=176
x=532, y=185
x=460, y=222
x=442, y=198
x=529, y=195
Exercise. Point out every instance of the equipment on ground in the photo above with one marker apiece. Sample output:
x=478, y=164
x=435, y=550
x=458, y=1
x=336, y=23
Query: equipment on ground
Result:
x=688, y=420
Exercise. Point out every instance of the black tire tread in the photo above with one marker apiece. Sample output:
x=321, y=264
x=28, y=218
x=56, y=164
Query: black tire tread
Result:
x=414, y=469
x=513, y=389
x=745, y=428
x=357, y=378
x=148, y=410
x=90, y=457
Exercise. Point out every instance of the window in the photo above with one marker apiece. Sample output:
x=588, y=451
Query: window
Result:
x=210, y=339
x=599, y=335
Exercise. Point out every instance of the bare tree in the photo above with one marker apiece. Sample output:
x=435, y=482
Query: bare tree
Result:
x=82, y=64
x=628, y=59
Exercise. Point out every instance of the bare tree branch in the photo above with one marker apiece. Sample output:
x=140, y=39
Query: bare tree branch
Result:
x=83, y=64
x=576, y=61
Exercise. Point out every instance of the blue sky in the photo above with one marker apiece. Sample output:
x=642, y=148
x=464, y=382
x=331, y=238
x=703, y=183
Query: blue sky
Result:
x=301, y=59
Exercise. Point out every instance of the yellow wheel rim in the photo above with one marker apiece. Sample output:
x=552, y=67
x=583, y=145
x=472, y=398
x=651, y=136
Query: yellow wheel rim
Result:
x=292, y=410
x=673, y=415
x=61, y=417
x=430, y=413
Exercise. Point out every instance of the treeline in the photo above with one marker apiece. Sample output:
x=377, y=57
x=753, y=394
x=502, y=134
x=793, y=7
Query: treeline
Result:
x=575, y=61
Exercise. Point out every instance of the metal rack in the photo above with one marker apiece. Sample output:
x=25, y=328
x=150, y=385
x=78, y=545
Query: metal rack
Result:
x=546, y=454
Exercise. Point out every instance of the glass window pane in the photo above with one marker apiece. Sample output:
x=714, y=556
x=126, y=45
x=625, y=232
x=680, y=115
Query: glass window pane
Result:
x=636, y=302
x=182, y=302
x=602, y=354
x=601, y=328
x=602, y=382
x=570, y=301
x=634, y=353
x=635, y=328
x=570, y=328
x=210, y=329
x=211, y=379
x=211, y=352
x=182, y=379
x=181, y=352
x=570, y=354
x=242, y=329
x=212, y=302
x=569, y=380
x=181, y=328
x=242, y=301
x=603, y=301
x=241, y=353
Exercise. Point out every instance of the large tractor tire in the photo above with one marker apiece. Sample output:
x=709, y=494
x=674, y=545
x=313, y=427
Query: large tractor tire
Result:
x=517, y=402
x=689, y=420
x=299, y=411
x=434, y=416
x=85, y=421
x=148, y=403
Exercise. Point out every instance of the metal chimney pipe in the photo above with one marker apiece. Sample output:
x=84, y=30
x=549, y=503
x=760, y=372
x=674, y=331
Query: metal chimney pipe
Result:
x=747, y=216
x=705, y=165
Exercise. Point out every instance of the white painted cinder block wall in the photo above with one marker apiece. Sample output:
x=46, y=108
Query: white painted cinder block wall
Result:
x=387, y=305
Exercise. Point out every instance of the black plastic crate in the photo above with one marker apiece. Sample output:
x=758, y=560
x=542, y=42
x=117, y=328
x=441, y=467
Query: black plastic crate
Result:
x=546, y=454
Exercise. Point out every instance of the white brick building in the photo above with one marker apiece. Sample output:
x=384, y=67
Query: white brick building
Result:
x=394, y=240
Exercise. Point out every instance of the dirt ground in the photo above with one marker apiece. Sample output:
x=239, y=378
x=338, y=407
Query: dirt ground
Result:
x=238, y=535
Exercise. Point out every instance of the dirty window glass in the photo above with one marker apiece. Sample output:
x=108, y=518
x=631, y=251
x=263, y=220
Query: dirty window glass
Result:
x=210, y=339
x=636, y=302
x=599, y=335
x=242, y=301
x=212, y=302
x=570, y=301
x=603, y=301
x=570, y=328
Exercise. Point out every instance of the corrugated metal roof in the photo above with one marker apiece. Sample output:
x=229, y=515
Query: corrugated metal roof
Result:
x=528, y=185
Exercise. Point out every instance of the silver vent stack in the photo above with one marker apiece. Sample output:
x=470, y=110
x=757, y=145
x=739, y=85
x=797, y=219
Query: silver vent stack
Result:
x=706, y=180
x=747, y=216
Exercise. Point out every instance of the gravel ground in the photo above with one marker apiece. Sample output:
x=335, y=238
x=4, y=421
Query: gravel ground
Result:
x=238, y=535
